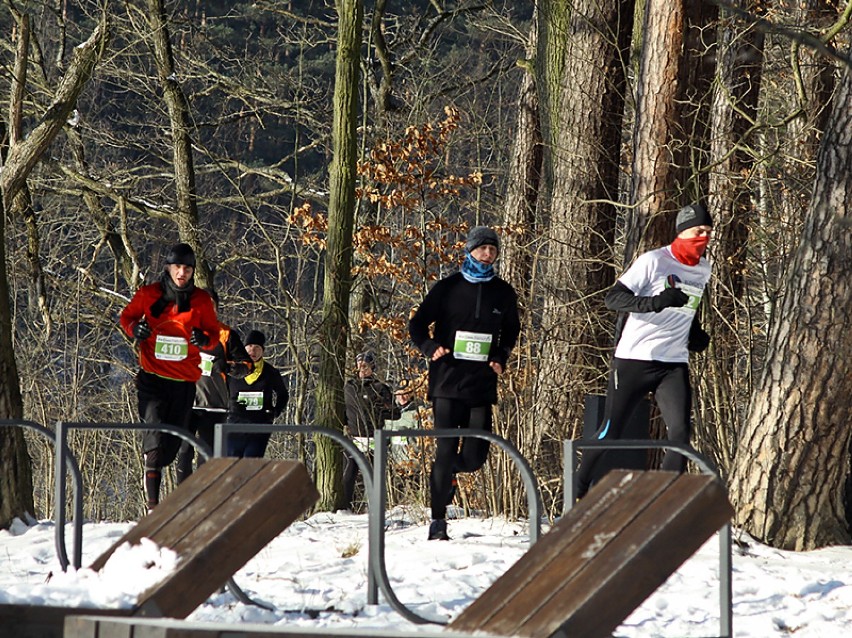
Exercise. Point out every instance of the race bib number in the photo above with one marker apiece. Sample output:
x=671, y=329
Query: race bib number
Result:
x=170, y=348
x=251, y=400
x=473, y=346
x=206, y=364
x=691, y=306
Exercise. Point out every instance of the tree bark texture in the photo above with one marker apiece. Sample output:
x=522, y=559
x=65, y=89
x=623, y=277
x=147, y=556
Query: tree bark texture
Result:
x=789, y=472
x=523, y=182
x=731, y=185
x=186, y=216
x=517, y=264
x=669, y=135
x=656, y=117
x=583, y=152
x=338, y=260
x=23, y=155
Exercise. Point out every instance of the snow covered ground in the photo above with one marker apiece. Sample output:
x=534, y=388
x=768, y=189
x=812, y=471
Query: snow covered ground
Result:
x=315, y=575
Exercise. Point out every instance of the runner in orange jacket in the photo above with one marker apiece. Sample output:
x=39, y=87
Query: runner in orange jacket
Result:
x=171, y=321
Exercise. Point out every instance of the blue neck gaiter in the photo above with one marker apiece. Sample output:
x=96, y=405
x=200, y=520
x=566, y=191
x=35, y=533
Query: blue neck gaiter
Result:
x=475, y=271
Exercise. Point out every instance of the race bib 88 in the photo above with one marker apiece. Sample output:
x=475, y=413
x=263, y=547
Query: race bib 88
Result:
x=473, y=346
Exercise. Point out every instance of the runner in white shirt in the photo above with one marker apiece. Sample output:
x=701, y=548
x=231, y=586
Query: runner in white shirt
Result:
x=662, y=291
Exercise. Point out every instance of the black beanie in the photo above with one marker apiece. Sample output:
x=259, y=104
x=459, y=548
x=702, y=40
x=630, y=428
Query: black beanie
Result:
x=256, y=338
x=481, y=236
x=692, y=215
x=367, y=357
x=181, y=254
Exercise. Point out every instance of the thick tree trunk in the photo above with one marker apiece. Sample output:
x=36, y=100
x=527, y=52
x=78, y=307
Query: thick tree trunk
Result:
x=517, y=260
x=669, y=135
x=733, y=113
x=584, y=153
x=523, y=184
x=22, y=156
x=787, y=484
x=656, y=117
x=338, y=261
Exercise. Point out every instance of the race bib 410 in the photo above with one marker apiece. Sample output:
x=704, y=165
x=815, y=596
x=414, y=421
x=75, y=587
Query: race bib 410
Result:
x=170, y=348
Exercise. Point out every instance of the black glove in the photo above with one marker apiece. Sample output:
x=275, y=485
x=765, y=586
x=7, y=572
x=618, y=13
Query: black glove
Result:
x=237, y=369
x=670, y=298
x=142, y=330
x=698, y=340
x=198, y=338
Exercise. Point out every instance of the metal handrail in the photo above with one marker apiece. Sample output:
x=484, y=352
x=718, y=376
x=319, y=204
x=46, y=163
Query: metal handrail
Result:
x=62, y=451
x=374, y=487
x=222, y=430
x=374, y=484
x=76, y=477
x=570, y=449
x=378, y=503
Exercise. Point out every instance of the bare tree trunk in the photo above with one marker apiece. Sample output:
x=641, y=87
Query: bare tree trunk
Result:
x=731, y=183
x=787, y=483
x=656, y=116
x=584, y=159
x=517, y=264
x=523, y=181
x=668, y=133
x=22, y=156
x=338, y=260
x=181, y=125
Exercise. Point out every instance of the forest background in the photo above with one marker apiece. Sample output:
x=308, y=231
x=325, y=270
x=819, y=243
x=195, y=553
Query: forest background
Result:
x=326, y=160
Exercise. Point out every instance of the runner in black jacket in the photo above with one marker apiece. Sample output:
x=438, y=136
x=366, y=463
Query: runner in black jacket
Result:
x=257, y=398
x=476, y=325
x=228, y=358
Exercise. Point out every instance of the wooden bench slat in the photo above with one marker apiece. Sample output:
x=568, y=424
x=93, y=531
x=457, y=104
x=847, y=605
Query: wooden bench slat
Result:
x=42, y=621
x=216, y=492
x=618, y=566
x=88, y=627
x=232, y=532
x=212, y=475
x=558, y=555
x=603, y=558
x=185, y=526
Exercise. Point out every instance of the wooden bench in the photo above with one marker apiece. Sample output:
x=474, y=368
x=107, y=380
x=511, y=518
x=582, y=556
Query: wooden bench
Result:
x=603, y=558
x=216, y=521
x=583, y=578
x=91, y=627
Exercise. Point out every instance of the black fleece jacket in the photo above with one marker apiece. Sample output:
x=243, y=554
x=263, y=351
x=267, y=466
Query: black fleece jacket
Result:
x=455, y=304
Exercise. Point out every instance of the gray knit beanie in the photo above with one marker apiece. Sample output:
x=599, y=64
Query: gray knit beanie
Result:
x=692, y=215
x=481, y=236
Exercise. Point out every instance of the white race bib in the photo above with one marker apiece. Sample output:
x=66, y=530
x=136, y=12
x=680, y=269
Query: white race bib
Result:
x=170, y=348
x=365, y=444
x=206, y=364
x=691, y=306
x=251, y=400
x=473, y=346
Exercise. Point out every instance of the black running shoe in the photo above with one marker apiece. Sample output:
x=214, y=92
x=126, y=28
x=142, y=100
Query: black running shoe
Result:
x=438, y=530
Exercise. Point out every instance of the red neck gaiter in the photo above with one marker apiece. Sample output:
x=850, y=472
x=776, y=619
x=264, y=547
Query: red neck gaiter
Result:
x=689, y=251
